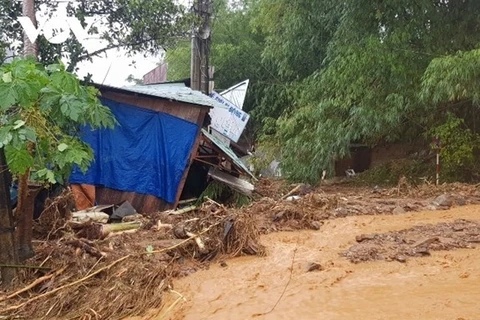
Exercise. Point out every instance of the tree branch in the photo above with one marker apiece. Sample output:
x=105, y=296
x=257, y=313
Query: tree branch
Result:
x=115, y=46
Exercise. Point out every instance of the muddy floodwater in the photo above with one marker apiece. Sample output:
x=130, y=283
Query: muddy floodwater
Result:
x=445, y=285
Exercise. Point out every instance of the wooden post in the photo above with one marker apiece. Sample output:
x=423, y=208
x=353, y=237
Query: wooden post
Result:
x=201, y=35
x=437, y=160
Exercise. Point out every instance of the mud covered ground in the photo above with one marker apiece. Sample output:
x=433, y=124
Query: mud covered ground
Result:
x=441, y=285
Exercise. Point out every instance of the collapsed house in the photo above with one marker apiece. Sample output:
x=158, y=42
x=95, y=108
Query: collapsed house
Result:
x=158, y=153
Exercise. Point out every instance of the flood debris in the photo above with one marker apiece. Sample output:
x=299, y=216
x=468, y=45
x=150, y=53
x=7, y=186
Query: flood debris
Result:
x=135, y=269
x=86, y=269
x=85, y=215
x=414, y=242
x=314, y=266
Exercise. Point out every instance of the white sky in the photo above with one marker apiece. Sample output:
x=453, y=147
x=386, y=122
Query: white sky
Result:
x=115, y=68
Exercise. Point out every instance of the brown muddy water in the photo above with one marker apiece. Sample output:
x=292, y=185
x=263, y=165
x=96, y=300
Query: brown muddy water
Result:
x=445, y=285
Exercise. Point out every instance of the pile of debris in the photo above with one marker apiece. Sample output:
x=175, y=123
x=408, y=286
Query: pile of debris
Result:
x=89, y=269
x=307, y=208
x=414, y=242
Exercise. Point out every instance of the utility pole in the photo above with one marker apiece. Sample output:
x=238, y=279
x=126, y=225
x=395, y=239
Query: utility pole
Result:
x=29, y=48
x=201, y=36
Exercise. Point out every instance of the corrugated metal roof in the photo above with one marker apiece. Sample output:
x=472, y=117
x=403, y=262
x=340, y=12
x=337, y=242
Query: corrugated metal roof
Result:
x=171, y=91
x=229, y=152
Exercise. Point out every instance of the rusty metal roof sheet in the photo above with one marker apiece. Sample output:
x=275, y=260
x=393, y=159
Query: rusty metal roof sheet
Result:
x=170, y=91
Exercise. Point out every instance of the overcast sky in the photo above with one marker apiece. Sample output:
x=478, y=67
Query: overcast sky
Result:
x=116, y=67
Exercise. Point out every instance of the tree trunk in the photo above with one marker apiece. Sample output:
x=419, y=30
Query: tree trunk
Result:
x=24, y=212
x=29, y=48
x=8, y=252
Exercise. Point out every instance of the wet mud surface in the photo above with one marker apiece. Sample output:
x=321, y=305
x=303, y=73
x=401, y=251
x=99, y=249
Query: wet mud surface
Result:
x=438, y=285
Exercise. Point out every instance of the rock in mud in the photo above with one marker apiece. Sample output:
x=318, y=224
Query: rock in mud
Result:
x=461, y=202
x=401, y=258
x=315, y=225
x=444, y=200
x=398, y=210
x=313, y=266
x=341, y=212
x=363, y=237
x=422, y=251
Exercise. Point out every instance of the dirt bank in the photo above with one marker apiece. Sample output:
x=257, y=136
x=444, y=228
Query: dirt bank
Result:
x=441, y=286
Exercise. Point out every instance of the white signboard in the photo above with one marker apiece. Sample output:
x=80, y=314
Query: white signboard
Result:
x=236, y=94
x=229, y=121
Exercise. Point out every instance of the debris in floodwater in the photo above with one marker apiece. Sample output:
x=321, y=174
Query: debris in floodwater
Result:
x=414, y=242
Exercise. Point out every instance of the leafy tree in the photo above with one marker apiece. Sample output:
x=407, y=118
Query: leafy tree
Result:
x=41, y=110
x=381, y=80
x=137, y=26
x=178, y=59
x=458, y=147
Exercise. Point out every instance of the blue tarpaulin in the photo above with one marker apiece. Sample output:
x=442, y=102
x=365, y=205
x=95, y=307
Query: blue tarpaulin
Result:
x=146, y=153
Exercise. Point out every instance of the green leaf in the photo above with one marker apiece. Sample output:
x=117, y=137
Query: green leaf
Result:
x=71, y=107
x=5, y=136
x=53, y=68
x=8, y=96
x=18, y=124
x=18, y=159
x=30, y=134
x=7, y=77
x=62, y=147
x=46, y=174
x=51, y=177
x=50, y=97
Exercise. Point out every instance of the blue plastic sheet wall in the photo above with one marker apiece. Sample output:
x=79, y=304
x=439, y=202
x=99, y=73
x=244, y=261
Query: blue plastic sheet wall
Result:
x=146, y=153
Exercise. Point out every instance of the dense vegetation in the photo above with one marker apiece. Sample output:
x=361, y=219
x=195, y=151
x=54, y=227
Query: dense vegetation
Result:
x=326, y=74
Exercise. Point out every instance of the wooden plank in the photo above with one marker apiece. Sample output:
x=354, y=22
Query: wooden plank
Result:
x=238, y=184
x=185, y=111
